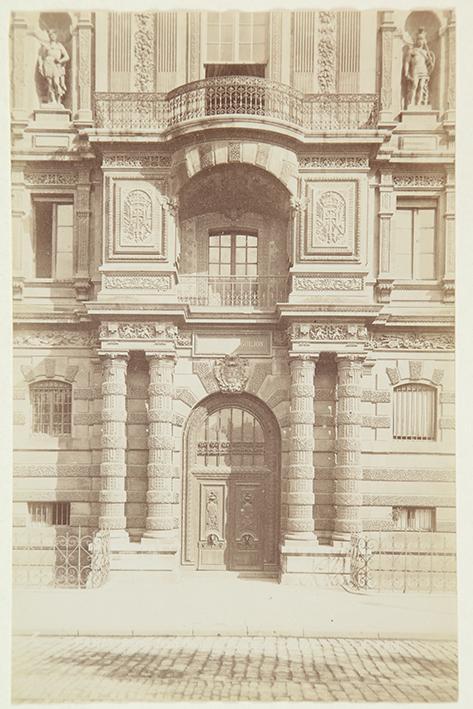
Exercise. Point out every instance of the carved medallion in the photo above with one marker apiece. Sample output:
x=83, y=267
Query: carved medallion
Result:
x=137, y=216
x=232, y=373
x=330, y=218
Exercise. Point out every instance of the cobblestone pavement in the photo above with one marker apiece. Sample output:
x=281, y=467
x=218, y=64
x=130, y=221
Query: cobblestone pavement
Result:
x=86, y=669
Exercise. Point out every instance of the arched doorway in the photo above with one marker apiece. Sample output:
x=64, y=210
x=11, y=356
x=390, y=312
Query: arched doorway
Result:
x=231, y=485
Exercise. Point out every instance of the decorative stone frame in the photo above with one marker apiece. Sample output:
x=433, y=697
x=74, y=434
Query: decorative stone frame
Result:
x=156, y=188
x=311, y=187
x=271, y=470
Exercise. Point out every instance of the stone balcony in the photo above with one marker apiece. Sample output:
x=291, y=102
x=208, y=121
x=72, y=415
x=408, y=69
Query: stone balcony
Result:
x=252, y=292
x=245, y=97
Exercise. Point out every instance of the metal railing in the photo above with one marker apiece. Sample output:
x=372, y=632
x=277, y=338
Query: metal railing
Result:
x=424, y=562
x=232, y=291
x=235, y=96
x=42, y=557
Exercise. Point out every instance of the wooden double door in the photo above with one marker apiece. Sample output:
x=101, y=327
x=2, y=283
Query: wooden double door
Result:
x=232, y=488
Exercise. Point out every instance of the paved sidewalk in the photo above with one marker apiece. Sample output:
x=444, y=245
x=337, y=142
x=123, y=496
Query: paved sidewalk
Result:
x=268, y=669
x=223, y=604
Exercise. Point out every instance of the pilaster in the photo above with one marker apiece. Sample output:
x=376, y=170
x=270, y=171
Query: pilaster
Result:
x=19, y=28
x=448, y=281
x=347, y=496
x=83, y=115
x=163, y=512
x=386, y=211
x=113, y=466
x=82, y=233
x=387, y=30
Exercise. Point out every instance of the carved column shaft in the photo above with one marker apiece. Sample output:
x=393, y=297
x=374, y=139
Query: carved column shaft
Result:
x=347, y=497
x=113, y=466
x=162, y=517
x=300, y=475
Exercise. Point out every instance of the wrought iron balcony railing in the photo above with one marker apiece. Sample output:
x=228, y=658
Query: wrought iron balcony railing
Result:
x=235, y=96
x=232, y=291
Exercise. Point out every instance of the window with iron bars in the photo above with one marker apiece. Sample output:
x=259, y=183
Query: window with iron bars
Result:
x=51, y=404
x=414, y=412
x=49, y=514
x=414, y=519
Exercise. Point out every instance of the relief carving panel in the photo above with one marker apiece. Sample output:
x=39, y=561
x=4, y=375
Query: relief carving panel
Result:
x=331, y=220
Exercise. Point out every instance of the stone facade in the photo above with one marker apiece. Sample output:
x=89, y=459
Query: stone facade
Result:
x=178, y=250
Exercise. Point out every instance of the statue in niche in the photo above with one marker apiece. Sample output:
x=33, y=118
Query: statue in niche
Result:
x=52, y=60
x=419, y=64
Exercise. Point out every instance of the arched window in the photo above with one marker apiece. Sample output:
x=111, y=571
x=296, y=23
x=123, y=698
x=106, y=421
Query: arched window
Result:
x=51, y=404
x=415, y=412
x=231, y=436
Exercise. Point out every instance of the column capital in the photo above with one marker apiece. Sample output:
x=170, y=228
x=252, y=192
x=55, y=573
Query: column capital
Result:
x=303, y=357
x=160, y=356
x=350, y=358
x=117, y=356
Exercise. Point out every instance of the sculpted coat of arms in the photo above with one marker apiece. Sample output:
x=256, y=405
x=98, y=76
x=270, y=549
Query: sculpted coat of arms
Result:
x=137, y=216
x=330, y=218
x=232, y=373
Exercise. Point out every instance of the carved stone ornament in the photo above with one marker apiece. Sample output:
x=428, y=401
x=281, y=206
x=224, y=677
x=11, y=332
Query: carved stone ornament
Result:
x=48, y=338
x=156, y=283
x=35, y=177
x=137, y=216
x=139, y=161
x=334, y=161
x=232, y=373
x=327, y=51
x=330, y=218
x=413, y=180
x=412, y=341
x=328, y=332
x=138, y=331
x=316, y=283
x=144, y=51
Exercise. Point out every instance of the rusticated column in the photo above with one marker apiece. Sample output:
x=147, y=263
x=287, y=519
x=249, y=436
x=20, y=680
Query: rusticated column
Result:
x=347, y=497
x=162, y=517
x=300, y=475
x=113, y=467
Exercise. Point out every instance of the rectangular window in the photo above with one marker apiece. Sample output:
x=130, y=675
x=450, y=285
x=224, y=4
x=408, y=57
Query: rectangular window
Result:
x=237, y=37
x=414, y=412
x=414, y=519
x=51, y=404
x=233, y=254
x=54, y=235
x=414, y=242
x=49, y=514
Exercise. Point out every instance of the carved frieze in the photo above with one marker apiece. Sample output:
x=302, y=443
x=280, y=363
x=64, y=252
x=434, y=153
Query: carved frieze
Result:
x=232, y=373
x=51, y=338
x=327, y=332
x=156, y=283
x=376, y=396
x=36, y=177
x=412, y=341
x=326, y=162
x=135, y=161
x=409, y=474
x=137, y=331
x=434, y=180
x=322, y=283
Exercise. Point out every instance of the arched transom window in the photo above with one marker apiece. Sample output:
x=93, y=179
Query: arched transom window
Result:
x=414, y=414
x=230, y=436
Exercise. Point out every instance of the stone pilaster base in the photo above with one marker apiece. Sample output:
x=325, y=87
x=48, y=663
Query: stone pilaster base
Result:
x=147, y=555
x=319, y=565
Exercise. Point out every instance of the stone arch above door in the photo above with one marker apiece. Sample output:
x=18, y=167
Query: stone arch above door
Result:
x=225, y=470
x=278, y=161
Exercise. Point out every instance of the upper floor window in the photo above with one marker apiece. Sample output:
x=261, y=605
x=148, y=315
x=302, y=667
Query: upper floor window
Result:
x=414, y=241
x=414, y=414
x=237, y=37
x=233, y=253
x=53, y=238
x=51, y=403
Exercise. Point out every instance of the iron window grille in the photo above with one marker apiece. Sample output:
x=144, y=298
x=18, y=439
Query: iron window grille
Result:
x=52, y=405
x=414, y=519
x=49, y=514
x=415, y=412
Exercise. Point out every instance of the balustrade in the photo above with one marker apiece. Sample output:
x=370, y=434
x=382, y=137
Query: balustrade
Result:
x=233, y=291
x=231, y=95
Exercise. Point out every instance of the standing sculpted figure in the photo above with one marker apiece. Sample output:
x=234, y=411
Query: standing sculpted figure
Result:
x=418, y=66
x=52, y=59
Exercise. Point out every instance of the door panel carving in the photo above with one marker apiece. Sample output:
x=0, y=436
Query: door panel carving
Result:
x=231, y=486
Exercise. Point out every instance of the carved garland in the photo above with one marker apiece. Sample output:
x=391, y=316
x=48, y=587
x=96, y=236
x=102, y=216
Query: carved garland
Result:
x=144, y=51
x=157, y=283
x=326, y=51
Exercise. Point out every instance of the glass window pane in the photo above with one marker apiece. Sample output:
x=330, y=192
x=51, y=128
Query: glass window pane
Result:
x=251, y=269
x=214, y=269
x=402, y=243
x=225, y=269
x=225, y=239
x=64, y=214
x=226, y=53
x=240, y=254
x=241, y=240
x=225, y=255
x=226, y=34
x=43, y=225
x=64, y=238
x=64, y=265
x=245, y=53
x=252, y=240
x=252, y=255
x=214, y=240
x=214, y=255
x=240, y=269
